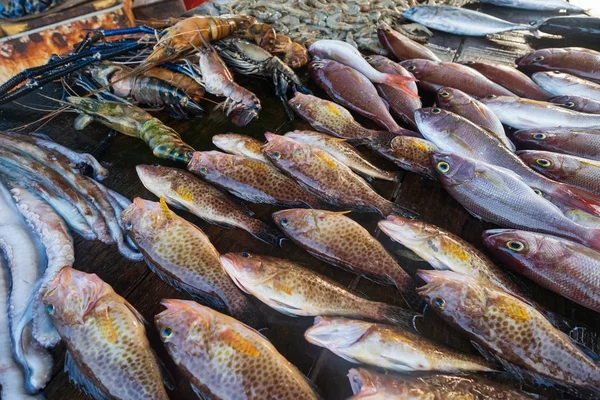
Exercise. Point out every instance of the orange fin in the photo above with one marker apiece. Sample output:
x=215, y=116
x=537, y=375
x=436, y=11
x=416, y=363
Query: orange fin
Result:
x=281, y=286
x=238, y=343
x=400, y=81
x=184, y=193
x=105, y=325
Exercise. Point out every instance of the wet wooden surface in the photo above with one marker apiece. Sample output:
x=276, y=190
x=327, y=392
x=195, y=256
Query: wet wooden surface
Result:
x=145, y=290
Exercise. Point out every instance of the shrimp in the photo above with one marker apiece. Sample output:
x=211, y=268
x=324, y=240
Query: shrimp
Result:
x=190, y=86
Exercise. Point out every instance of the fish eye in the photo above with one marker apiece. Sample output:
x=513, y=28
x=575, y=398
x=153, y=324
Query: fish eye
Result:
x=204, y=170
x=542, y=162
x=411, y=68
x=284, y=222
x=128, y=225
x=245, y=254
x=539, y=136
x=538, y=192
x=166, y=332
x=569, y=104
x=436, y=110
x=276, y=155
x=444, y=94
x=443, y=167
x=438, y=302
x=155, y=165
x=50, y=309
x=491, y=96
x=538, y=59
x=515, y=245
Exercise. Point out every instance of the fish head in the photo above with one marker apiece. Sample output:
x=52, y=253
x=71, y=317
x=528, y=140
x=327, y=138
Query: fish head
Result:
x=184, y=324
x=210, y=164
x=419, y=67
x=302, y=221
x=143, y=219
x=453, y=169
x=413, y=12
x=570, y=102
x=448, y=97
x=72, y=295
x=436, y=124
x=554, y=78
x=364, y=383
x=536, y=136
x=232, y=142
x=281, y=149
x=406, y=231
x=547, y=162
x=522, y=249
x=156, y=178
x=248, y=269
x=337, y=333
x=534, y=61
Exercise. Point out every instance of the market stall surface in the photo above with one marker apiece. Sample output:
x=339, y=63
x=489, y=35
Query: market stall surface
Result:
x=144, y=289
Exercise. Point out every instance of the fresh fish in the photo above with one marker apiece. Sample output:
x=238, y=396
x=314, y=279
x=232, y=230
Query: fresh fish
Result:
x=443, y=250
x=369, y=385
x=499, y=196
x=411, y=153
x=352, y=89
x=108, y=353
x=181, y=254
x=434, y=75
x=402, y=47
x=183, y=190
x=584, y=63
x=239, y=145
x=460, y=103
x=578, y=142
x=565, y=267
x=571, y=26
x=225, y=359
x=452, y=133
x=298, y=291
x=562, y=84
x=460, y=21
x=508, y=328
x=529, y=114
x=577, y=103
x=511, y=78
x=327, y=235
x=347, y=54
x=388, y=347
x=572, y=170
x=401, y=105
x=250, y=179
x=343, y=152
x=322, y=174
x=539, y=5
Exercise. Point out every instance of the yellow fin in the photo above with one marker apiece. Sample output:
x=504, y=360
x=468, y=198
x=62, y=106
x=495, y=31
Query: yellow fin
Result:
x=238, y=343
x=332, y=108
x=281, y=286
x=165, y=209
x=105, y=325
x=327, y=159
x=184, y=193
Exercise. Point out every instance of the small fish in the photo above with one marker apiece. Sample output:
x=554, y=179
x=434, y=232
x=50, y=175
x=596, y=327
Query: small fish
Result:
x=565, y=267
x=511, y=330
x=475, y=111
x=576, y=61
x=544, y=5
x=402, y=47
x=434, y=75
x=511, y=78
x=562, y=84
x=298, y=291
x=343, y=152
x=225, y=359
x=577, y=103
x=411, y=153
x=338, y=240
x=108, y=353
x=388, y=347
x=322, y=174
x=249, y=179
x=239, y=145
x=461, y=21
x=183, y=190
x=182, y=255
x=577, y=142
x=572, y=170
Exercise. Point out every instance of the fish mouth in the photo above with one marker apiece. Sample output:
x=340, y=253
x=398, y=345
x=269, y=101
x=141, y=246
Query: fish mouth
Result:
x=493, y=232
x=427, y=276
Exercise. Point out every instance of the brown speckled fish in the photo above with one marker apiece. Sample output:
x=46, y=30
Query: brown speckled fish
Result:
x=183, y=190
x=511, y=330
x=108, y=353
x=338, y=240
x=225, y=359
x=180, y=253
x=411, y=153
x=298, y=291
x=239, y=145
x=322, y=174
x=249, y=179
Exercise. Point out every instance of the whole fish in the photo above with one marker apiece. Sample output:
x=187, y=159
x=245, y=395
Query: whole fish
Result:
x=539, y=5
x=578, y=61
x=460, y=103
x=411, y=153
x=322, y=174
x=565, y=267
x=108, y=353
x=239, y=145
x=443, y=250
x=225, y=359
x=452, y=133
x=182, y=255
x=388, y=347
x=352, y=89
x=575, y=171
x=511, y=78
x=571, y=26
x=578, y=142
x=402, y=47
x=508, y=328
x=370, y=385
x=183, y=190
x=343, y=152
x=249, y=179
x=327, y=236
x=529, y=114
x=460, y=21
x=434, y=75
x=499, y=196
x=401, y=105
x=298, y=291
x=562, y=84
x=577, y=103
x=347, y=54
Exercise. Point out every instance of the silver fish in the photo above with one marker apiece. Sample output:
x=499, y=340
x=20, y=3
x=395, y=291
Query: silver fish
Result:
x=562, y=84
x=538, y=5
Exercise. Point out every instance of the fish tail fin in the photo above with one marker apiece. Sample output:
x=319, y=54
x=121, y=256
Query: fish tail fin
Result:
x=398, y=316
x=576, y=198
x=268, y=234
x=400, y=82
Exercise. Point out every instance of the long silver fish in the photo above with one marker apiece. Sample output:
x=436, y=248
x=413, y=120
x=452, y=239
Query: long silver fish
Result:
x=538, y=5
x=562, y=84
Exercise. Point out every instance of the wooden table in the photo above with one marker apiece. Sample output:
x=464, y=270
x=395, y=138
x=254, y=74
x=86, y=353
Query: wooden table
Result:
x=144, y=289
